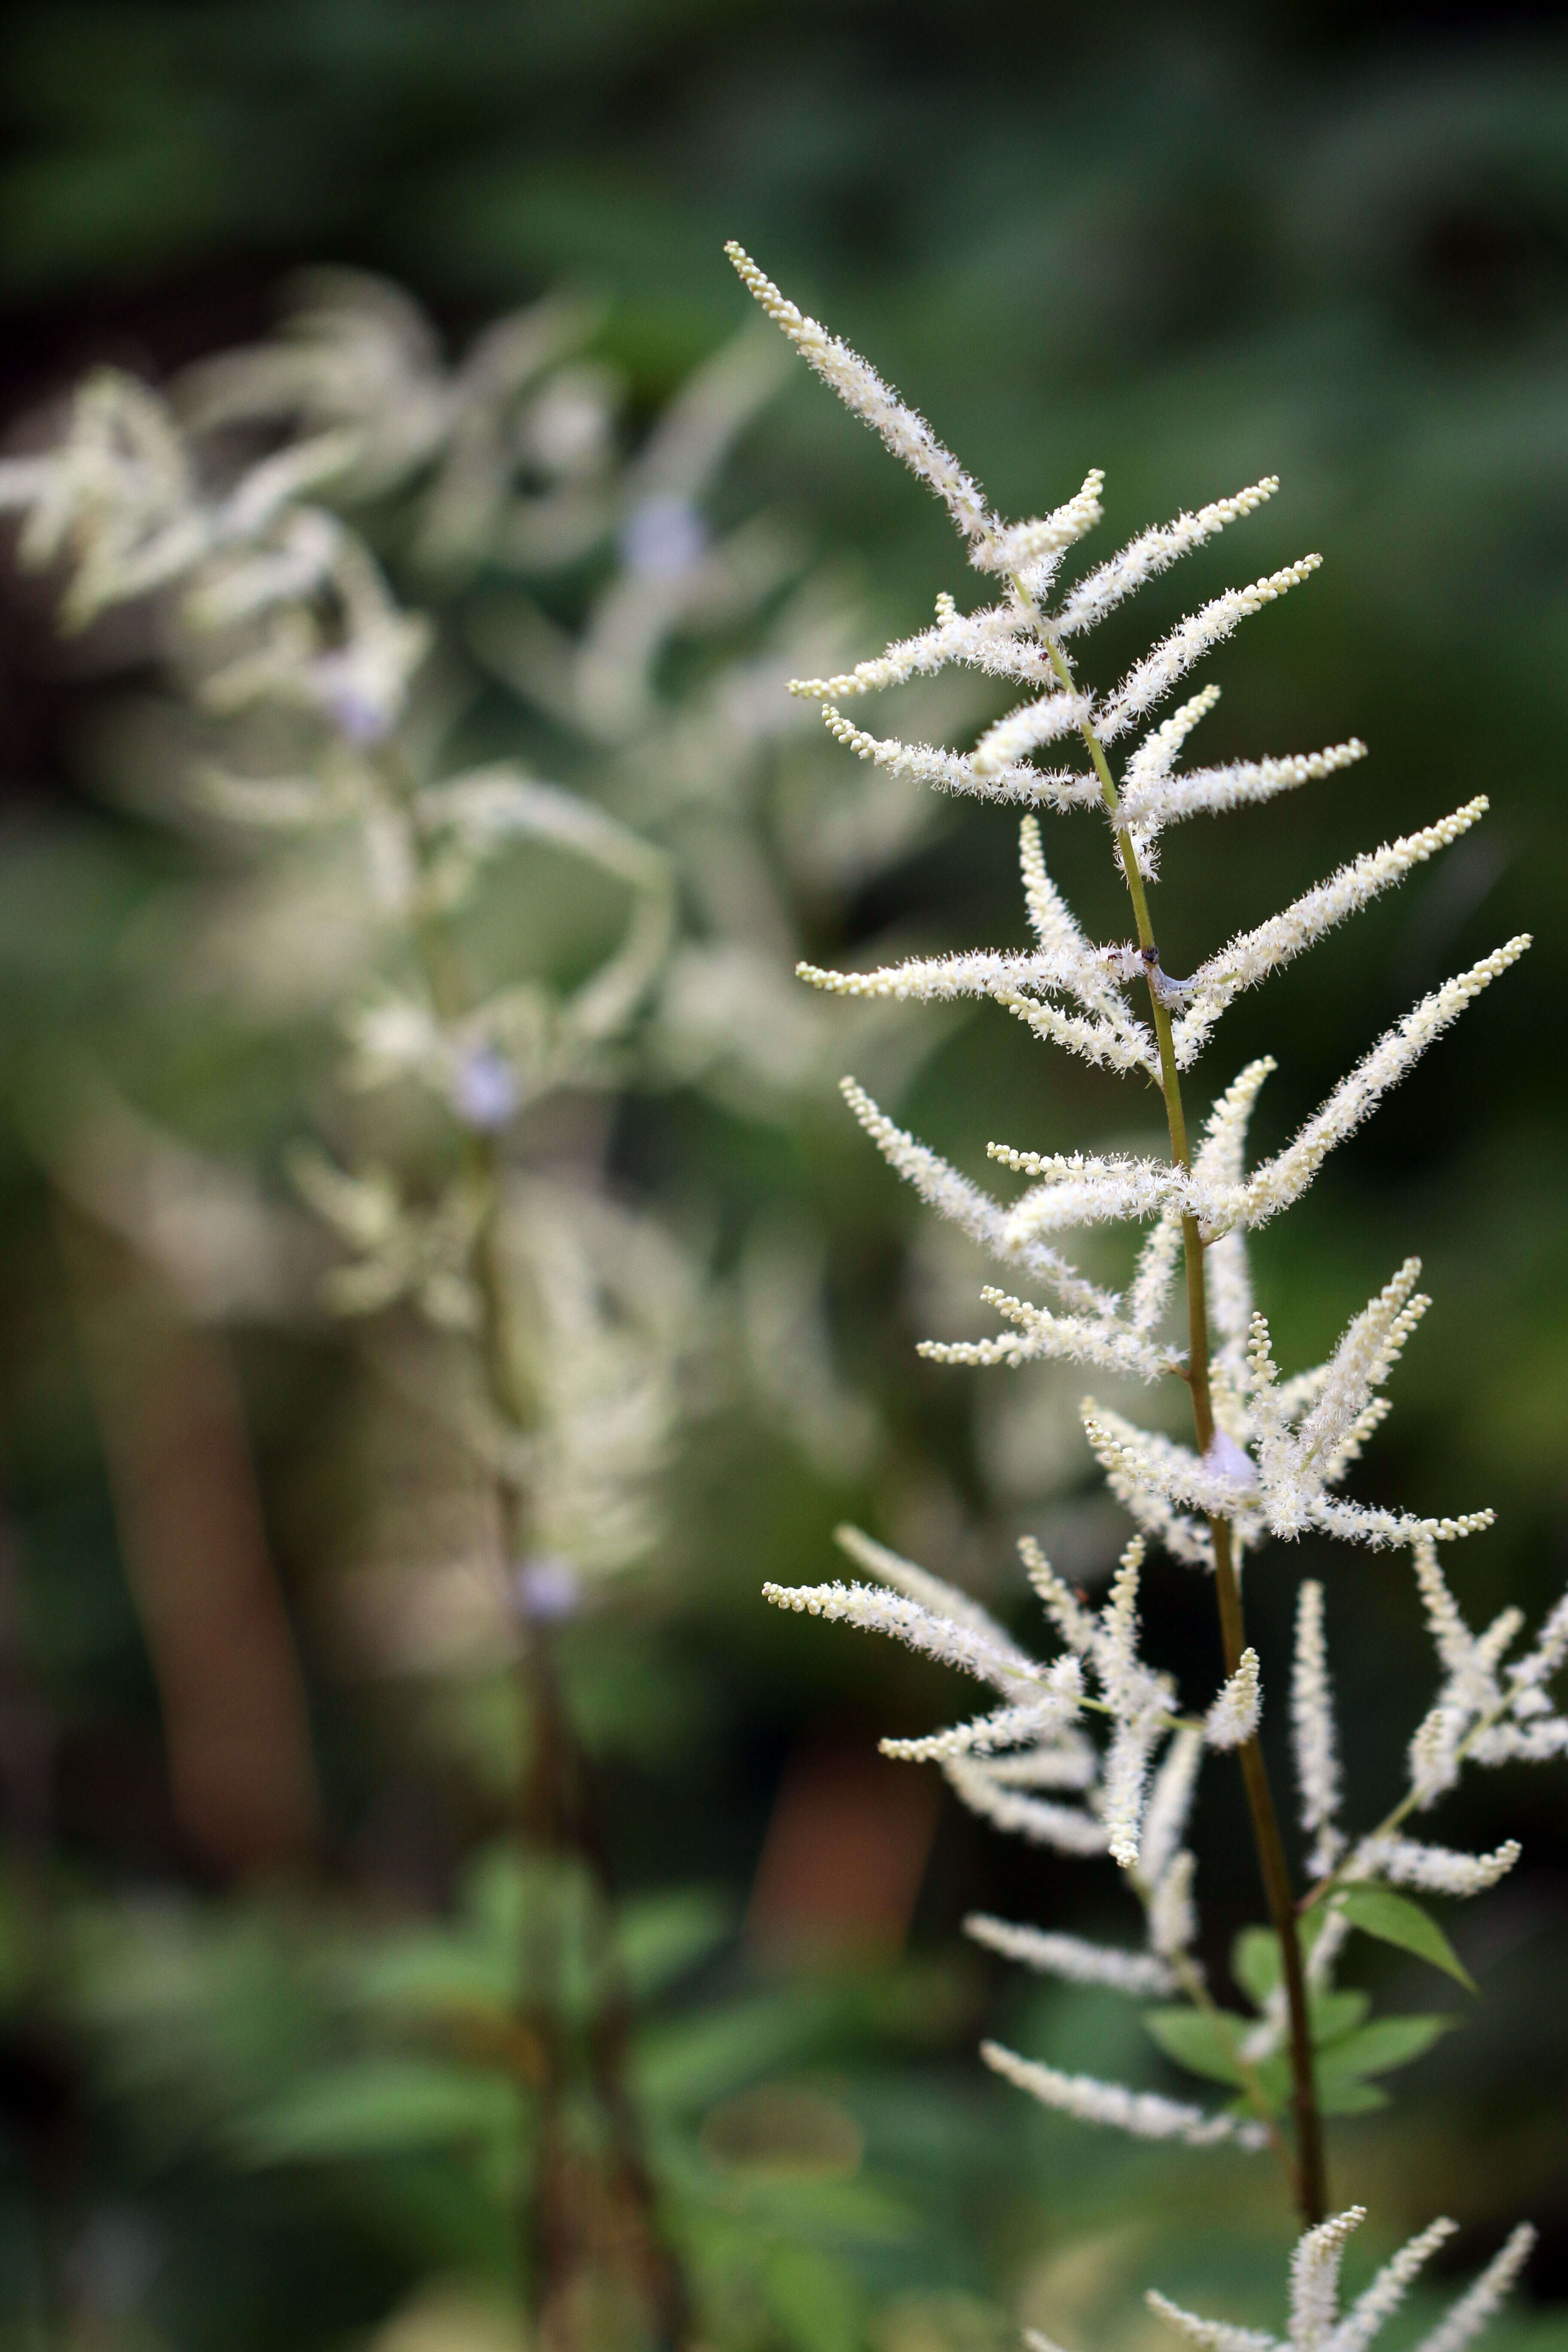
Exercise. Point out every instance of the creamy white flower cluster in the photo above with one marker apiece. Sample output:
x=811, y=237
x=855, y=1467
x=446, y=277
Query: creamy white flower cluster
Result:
x=1487, y=1711
x=1034, y=1766
x=1282, y=1448
x=1317, y=2324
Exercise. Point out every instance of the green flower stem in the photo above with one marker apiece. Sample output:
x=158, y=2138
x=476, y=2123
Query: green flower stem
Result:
x=1311, y=2178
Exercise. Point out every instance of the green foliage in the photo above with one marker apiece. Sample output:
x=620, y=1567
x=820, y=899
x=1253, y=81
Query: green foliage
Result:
x=1395, y=1919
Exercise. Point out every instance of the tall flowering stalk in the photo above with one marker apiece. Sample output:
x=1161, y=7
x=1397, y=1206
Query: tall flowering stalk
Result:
x=1092, y=1751
x=282, y=631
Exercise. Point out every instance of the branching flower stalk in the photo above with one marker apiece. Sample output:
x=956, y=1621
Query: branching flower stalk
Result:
x=1270, y=1453
x=276, y=613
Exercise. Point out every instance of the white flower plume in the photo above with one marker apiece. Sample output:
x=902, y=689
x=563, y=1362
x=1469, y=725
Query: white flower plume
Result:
x=1090, y=1755
x=1144, y=2114
x=1316, y=2325
x=861, y=390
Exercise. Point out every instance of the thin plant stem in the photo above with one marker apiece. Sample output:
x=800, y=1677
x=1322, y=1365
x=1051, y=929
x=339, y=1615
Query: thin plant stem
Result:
x=1309, y=2169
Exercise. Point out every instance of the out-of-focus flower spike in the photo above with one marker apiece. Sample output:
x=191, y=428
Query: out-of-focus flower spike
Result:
x=1069, y=1957
x=1315, y=2279
x=1234, y=1717
x=1313, y=1740
x=1386, y=2292
x=1475, y=2308
x=1142, y=2113
x=1434, y=1869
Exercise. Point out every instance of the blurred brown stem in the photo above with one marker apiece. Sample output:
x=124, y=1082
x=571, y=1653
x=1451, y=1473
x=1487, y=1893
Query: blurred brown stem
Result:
x=558, y=1817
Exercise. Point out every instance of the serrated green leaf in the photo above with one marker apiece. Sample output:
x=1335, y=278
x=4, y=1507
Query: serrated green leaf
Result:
x=379, y=2106
x=1335, y=2014
x=1394, y=1919
x=1386, y=2041
x=1255, y=1963
x=1203, y=2041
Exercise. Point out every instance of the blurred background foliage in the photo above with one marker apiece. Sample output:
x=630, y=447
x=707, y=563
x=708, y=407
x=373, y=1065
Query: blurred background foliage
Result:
x=1191, y=247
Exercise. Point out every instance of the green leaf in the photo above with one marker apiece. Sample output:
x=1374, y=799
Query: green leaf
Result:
x=1386, y=2041
x=1203, y=2041
x=1348, y=2098
x=1335, y=2014
x=1394, y=1919
x=378, y=2107
x=1255, y=1963
x=813, y=2299
x=435, y=1972
x=663, y=1935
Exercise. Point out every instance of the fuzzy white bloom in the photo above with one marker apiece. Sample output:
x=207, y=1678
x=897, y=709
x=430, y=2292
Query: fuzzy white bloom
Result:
x=1170, y=1803
x=1234, y=1717
x=1153, y=551
x=975, y=1212
x=1067, y=1828
x=1127, y=1765
x=943, y=1638
x=1069, y=1338
x=1144, y=2114
x=1213, y=2334
x=1279, y=1447
x=1173, y=1914
x=951, y=772
x=1011, y=739
x=1205, y=792
x=1057, y=931
x=1135, y=1465
x=1475, y=2308
x=1529, y=1675
x=981, y=971
x=1387, y=2290
x=1119, y=1045
x=1251, y=956
x=1313, y=1740
x=1315, y=2325
x=1151, y=1285
x=1085, y=1188
x=1008, y=1726
x=1029, y=546
x=1148, y=680
x=1286, y=1177
x=862, y=391
x=1315, y=2279
x=1156, y=755
x=1142, y=1973
x=1436, y=1869
x=991, y=640
x=1297, y=1468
